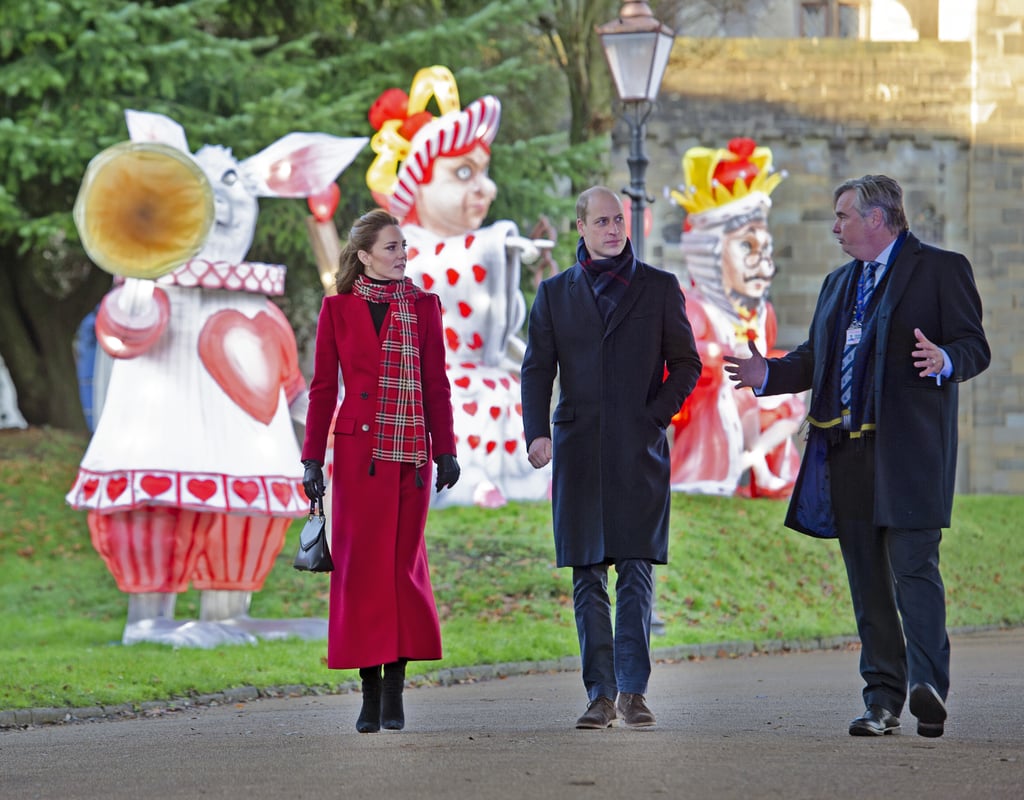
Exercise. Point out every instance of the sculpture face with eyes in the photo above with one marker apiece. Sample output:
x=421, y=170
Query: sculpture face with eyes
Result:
x=236, y=208
x=459, y=194
x=747, y=264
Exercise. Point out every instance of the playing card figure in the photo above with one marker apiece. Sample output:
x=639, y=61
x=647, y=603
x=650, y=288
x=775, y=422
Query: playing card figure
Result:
x=721, y=436
x=431, y=172
x=193, y=474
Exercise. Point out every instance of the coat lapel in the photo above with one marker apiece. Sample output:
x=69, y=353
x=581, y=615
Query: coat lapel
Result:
x=825, y=335
x=901, y=272
x=583, y=298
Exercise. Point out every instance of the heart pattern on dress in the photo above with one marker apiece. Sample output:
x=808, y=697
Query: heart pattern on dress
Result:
x=247, y=490
x=203, y=489
x=282, y=491
x=247, y=358
x=116, y=487
x=472, y=281
x=155, y=485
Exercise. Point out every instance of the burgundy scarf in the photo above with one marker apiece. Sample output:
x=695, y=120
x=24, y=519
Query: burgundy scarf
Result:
x=401, y=429
x=609, y=277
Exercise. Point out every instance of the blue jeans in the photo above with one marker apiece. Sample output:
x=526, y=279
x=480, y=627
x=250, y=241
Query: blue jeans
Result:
x=620, y=661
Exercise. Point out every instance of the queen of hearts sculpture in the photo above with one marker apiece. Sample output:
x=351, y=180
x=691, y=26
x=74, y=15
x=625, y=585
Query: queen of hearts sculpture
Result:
x=724, y=441
x=431, y=172
x=193, y=474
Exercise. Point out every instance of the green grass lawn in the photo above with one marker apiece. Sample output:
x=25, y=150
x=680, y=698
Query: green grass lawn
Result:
x=736, y=574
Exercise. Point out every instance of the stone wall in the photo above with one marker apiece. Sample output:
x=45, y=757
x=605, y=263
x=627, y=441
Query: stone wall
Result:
x=950, y=132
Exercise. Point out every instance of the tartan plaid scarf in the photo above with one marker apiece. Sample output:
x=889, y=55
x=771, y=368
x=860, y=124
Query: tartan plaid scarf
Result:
x=608, y=277
x=401, y=429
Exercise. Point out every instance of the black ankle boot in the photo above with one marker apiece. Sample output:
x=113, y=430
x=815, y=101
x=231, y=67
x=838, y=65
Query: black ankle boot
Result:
x=369, y=716
x=392, y=714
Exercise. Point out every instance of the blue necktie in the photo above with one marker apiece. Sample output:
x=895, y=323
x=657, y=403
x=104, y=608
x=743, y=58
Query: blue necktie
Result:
x=865, y=287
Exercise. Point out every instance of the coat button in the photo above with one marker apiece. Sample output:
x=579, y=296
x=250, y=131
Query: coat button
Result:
x=366, y=427
x=364, y=395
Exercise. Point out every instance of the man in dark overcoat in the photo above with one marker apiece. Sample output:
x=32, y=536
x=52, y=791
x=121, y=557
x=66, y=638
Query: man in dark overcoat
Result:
x=895, y=331
x=614, y=331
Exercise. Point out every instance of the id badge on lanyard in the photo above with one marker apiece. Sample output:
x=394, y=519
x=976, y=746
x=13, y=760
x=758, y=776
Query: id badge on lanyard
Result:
x=853, y=334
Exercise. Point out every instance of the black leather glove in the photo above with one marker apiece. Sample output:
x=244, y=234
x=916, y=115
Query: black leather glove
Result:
x=447, y=471
x=313, y=479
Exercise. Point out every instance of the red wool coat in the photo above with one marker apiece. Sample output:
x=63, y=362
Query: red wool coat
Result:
x=381, y=600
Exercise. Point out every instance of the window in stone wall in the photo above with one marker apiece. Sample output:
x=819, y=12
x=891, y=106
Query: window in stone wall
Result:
x=842, y=19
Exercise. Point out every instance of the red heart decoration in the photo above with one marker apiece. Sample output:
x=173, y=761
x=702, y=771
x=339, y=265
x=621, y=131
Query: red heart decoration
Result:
x=491, y=446
x=469, y=408
x=452, y=338
x=465, y=309
x=453, y=276
x=89, y=487
x=413, y=252
x=474, y=442
x=504, y=382
x=116, y=487
x=438, y=248
x=476, y=342
x=511, y=445
x=495, y=412
x=479, y=273
x=490, y=384
x=154, y=485
x=247, y=490
x=428, y=282
x=247, y=358
x=519, y=409
x=469, y=240
x=462, y=383
x=282, y=491
x=203, y=489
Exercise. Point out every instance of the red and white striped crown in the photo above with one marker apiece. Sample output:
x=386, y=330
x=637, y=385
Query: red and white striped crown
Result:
x=452, y=134
x=409, y=135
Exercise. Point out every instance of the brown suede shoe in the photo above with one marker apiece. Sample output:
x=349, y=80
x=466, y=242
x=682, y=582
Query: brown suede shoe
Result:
x=600, y=714
x=634, y=710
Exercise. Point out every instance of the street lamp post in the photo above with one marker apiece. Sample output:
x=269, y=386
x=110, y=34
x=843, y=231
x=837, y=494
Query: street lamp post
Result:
x=637, y=48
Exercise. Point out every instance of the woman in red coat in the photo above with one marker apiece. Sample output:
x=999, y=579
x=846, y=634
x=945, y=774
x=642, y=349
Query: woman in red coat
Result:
x=383, y=334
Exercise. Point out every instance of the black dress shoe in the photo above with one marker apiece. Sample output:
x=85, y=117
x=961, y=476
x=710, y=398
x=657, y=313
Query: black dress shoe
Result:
x=875, y=721
x=927, y=706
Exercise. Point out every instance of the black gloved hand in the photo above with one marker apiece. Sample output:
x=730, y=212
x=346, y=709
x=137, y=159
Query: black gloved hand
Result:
x=447, y=471
x=313, y=479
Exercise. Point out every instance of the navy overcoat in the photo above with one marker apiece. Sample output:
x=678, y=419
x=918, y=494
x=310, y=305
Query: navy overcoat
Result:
x=916, y=418
x=619, y=387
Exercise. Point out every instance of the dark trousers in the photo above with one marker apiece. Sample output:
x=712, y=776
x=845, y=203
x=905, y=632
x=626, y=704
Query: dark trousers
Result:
x=898, y=597
x=618, y=661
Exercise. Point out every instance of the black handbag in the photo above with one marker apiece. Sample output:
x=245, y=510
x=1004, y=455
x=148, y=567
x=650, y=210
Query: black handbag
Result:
x=314, y=555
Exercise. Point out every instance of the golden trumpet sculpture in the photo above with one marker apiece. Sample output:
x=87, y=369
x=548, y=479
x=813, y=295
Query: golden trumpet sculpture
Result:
x=143, y=209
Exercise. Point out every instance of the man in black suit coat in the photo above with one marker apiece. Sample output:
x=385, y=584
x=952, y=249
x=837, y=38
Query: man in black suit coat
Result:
x=615, y=333
x=880, y=461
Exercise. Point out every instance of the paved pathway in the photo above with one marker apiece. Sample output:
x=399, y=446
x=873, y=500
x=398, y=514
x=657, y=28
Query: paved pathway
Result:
x=770, y=726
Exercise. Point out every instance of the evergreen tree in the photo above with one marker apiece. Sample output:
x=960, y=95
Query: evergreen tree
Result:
x=242, y=73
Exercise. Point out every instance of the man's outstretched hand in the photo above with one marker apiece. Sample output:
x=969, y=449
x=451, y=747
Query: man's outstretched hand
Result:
x=747, y=372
